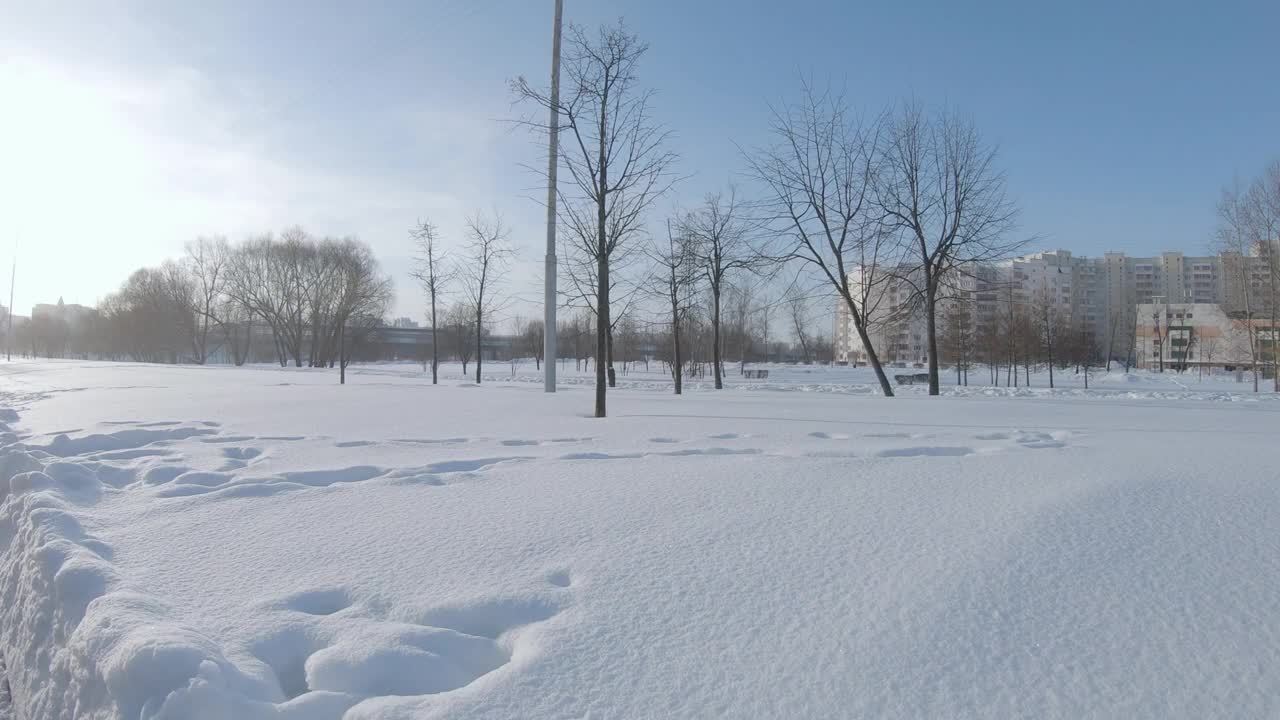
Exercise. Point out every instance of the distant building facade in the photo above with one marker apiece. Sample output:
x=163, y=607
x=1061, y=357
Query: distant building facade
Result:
x=1101, y=295
x=1179, y=336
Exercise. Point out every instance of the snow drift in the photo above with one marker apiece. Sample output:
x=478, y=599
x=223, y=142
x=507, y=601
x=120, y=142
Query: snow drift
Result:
x=216, y=543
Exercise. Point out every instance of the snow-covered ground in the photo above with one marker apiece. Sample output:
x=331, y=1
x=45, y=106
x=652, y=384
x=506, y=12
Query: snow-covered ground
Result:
x=200, y=543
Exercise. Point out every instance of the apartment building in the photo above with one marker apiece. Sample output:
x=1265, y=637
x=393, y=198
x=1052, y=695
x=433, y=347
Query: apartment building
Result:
x=1099, y=294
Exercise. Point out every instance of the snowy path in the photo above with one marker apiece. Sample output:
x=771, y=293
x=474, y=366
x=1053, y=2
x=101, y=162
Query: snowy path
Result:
x=221, y=543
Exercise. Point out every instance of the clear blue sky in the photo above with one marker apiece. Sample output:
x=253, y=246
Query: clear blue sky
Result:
x=137, y=125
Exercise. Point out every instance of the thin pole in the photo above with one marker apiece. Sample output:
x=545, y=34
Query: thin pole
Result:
x=8, y=335
x=549, y=301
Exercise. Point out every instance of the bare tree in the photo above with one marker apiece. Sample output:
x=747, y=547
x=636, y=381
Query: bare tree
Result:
x=798, y=311
x=531, y=334
x=178, y=288
x=1235, y=238
x=673, y=281
x=459, y=319
x=1262, y=210
x=741, y=301
x=819, y=174
x=289, y=259
x=766, y=310
x=433, y=273
x=614, y=156
x=939, y=190
x=268, y=277
x=580, y=288
x=487, y=255
x=1208, y=347
x=363, y=295
x=718, y=231
x=1048, y=323
x=958, y=336
x=206, y=262
x=236, y=323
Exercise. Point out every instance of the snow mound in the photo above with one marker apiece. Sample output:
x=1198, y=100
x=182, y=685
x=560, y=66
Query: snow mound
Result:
x=78, y=641
x=1119, y=378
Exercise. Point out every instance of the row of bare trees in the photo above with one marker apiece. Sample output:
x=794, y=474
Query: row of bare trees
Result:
x=318, y=297
x=850, y=199
x=1025, y=334
x=1248, y=235
x=477, y=273
x=914, y=196
x=755, y=329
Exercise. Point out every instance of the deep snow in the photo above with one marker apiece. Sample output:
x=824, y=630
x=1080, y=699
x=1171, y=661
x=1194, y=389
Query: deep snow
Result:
x=263, y=543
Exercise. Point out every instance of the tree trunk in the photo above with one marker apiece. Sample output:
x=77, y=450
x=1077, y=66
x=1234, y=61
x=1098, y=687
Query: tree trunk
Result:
x=435, y=352
x=342, y=356
x=931, y=330
x=679, y=363
x=602, y=323
x=872, y=358
x=716, y=361
x=613, y=376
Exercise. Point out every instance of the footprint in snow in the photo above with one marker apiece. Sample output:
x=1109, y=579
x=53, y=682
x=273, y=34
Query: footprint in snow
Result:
x=926, y=451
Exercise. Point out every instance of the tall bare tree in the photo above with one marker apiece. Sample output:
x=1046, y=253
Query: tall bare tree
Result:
x=433, y=273
x=1048, y=326
x=531, y=333
x=1234, y=237
x=362, y=296
x=178, y=288
x=819, y=173
x=459, y=321
x=674, y=283
x=798, y=311
x=1262, y=208
x=719, y=232
x=614, y=154
x=488, y=254
x=206, y=263
x=940, y=191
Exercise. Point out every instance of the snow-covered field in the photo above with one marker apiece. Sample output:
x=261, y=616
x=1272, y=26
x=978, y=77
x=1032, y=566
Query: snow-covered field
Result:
x=202, y=543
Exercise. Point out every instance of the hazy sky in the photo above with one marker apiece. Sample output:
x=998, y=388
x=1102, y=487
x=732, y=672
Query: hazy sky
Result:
x=127, y=128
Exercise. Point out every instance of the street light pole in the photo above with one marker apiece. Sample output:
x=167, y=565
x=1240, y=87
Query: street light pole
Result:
x=549, y=300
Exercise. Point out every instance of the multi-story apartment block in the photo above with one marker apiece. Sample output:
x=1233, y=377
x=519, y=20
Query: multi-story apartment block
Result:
x=1099, y=294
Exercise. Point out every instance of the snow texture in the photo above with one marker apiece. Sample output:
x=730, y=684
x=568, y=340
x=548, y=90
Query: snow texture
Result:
x=217, y=543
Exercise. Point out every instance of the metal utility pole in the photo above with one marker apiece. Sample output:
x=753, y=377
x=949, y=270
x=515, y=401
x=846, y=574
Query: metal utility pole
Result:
x=549, y=300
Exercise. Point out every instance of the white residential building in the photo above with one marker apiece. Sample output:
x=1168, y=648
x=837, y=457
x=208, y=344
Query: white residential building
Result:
x=1099, y=294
